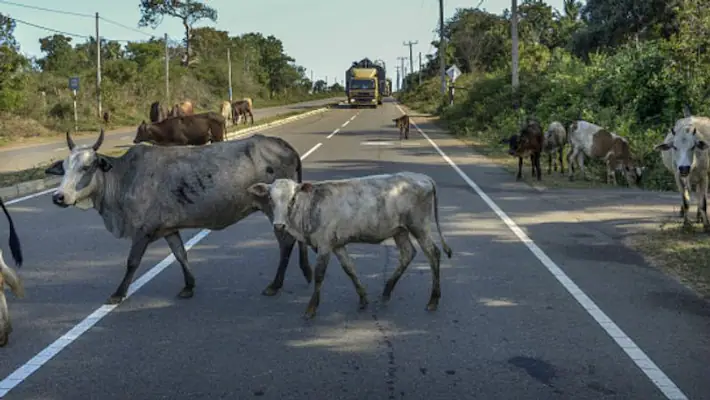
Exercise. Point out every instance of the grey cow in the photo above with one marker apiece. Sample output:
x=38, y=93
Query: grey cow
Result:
x=330, y=214
x=152, y=192
x=9, y=276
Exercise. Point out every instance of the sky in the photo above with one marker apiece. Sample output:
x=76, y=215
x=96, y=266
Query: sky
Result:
x=324, y=36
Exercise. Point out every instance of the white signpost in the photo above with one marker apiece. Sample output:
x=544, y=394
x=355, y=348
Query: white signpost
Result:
x=453, y=73
x=74, y=86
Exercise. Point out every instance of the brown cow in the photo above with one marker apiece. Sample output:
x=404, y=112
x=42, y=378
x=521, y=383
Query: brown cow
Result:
x=226, y=111
x=242, y=108
x=106, y=117
x=158, y=112
x=403, y=124
x=186, y=130
x=529, y=142
x=182, y=109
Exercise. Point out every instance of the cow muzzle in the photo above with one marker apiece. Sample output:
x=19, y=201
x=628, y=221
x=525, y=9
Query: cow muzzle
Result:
x=279, y=227
x=58, y=200
x=684, y=171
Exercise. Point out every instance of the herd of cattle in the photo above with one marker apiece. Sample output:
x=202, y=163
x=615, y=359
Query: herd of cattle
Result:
x=180, y=126
x=217, y=185
x=684, y=152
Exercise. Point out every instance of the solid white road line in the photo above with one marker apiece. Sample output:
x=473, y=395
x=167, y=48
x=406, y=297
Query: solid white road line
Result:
x=652, y=371
x=41, y=358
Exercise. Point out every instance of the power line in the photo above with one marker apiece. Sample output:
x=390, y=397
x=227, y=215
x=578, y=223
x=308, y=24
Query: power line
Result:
x=123, y=26
x=65, y=33
x=47, y=9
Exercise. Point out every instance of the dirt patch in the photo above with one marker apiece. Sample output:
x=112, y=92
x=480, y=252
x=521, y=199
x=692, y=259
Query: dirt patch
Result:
x=15, y=128
x=678, y=251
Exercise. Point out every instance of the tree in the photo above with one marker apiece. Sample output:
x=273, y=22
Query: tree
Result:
x=60, y=55
x=11, y=61
x=188, y=11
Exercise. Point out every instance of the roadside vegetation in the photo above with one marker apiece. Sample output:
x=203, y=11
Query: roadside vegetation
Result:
x=625, y=65
x=35, y=100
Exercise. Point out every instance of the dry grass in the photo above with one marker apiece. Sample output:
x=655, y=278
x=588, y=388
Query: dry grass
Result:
x=680, y=252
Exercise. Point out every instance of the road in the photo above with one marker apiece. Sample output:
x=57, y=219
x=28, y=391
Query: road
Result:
x=534, y=305
x=17, y=158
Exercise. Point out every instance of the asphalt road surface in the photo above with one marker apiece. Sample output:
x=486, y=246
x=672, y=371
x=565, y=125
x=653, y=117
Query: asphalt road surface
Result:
x=531, y=308
x=29, y=156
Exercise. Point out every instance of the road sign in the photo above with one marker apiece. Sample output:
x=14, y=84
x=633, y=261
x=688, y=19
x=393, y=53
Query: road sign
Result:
x=453, y=72
x=74, y=83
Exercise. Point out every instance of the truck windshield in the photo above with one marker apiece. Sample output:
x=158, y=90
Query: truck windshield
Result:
x=360, y=84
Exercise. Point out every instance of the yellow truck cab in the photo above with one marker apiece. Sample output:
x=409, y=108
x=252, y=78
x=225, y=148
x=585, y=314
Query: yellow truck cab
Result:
x=364, y=87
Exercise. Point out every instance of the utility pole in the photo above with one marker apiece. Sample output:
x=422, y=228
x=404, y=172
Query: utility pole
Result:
x=397, y=67
x=229, y=68
x=420, y=67
x=442, y=48
x=401, y=68
x=411, y=56
x=514, y=37
x=98, y=68
x=167, y=73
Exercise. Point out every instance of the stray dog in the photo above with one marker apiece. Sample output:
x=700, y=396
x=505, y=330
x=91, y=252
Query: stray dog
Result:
x=403, y=124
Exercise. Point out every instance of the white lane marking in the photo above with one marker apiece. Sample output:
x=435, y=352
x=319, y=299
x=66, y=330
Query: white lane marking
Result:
x=126, y=138
x=345, y=123
x=652, y=371
x=59, y=149
x=333, y=134
x=377, y=143
x=24, y=371
x=30, y=196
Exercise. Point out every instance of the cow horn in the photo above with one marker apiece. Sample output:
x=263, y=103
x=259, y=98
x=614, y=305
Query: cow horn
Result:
x=99, y=141
x=70, y=142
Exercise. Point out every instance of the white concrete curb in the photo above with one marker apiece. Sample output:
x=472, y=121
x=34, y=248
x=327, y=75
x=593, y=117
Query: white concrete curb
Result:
x=29, y=187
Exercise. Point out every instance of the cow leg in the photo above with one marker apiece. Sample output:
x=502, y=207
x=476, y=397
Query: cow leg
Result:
x=559, y=157
x=252, y=117
x=349, y=267
x=407, y=252
x=138, y=248
x=286, y=243
x=520, y=169
x=702, y=195
x=321, y=265
x=433, y=254
x=684, y=196
x=571, y=159
x=537, y=157
x=178, y=248
x=549, y=163
x=580, y=162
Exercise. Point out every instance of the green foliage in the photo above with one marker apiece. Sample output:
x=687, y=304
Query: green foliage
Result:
x=632, y=71
x=133, y=75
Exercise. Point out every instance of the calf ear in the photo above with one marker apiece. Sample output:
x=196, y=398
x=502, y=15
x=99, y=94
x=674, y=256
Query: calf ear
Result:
x=57, y=168
x=702, y=145
x=663, y=147
x=104, y=164
x=305, y=187
x=259, y=190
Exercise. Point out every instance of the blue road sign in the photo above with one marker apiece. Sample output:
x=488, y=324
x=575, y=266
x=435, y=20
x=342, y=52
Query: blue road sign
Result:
x=74, y=83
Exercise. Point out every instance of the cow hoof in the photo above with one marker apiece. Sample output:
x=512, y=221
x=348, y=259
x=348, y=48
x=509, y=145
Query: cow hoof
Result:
x=308, y=276
x=309, y=314
x=114, y=299
x=5, y=339
x=363, y=304
x=432, y=306
x=385, y=297
x=186, y=293
x=270, y=291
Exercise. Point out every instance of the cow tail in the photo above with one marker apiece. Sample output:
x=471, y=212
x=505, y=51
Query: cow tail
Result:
x=15, y=247
x=446, y=247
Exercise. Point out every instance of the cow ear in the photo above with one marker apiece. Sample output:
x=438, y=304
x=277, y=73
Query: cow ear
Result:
x=104, y=164
x=259, y=190
x=673, y=131
x=57, y=168
x=702, y=145
x=305, y=187
x=663, y=147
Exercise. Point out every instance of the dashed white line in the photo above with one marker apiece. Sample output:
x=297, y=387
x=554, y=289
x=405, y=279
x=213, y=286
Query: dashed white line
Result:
x=652, y=371
x=24, y=371
x=126, y=138
x=345, y=123
x=333, y=134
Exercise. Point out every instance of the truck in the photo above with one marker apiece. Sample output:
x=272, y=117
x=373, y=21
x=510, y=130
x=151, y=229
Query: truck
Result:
x=366, y=83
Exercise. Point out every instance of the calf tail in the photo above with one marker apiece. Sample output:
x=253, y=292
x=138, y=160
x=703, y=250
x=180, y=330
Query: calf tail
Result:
x=15, y=247
x=446, y=247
